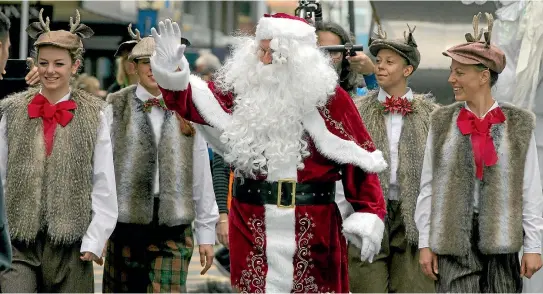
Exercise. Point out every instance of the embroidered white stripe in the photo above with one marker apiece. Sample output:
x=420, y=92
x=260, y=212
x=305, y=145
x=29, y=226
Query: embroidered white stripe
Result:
x=280, y=248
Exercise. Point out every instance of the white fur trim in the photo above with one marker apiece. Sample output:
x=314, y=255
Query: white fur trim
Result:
x=280, y=248
x=362, y=226
x=207, y=104
x=269, y=28
x=340, y=150
x=212, y=137
x=173, y=81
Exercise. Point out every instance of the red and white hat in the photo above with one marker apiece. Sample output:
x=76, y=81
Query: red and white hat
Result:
x=285, y=26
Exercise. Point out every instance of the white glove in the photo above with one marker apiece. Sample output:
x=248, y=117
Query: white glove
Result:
x=169, y=52
x=365, y=231
x=368, y=249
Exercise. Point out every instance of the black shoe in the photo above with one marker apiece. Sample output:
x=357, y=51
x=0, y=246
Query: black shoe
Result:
x=222, y=261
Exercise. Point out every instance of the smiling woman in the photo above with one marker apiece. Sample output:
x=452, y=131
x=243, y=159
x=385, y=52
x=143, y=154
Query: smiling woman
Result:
x=481, y=153
x=53, y=133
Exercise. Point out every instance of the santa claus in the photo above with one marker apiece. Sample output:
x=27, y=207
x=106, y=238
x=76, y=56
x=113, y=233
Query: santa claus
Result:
x=277, y=114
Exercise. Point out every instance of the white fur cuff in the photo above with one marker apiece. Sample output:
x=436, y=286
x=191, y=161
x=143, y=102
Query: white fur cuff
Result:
x=364, y=226
x=173, y=81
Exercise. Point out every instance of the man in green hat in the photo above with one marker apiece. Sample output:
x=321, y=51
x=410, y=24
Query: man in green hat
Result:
x=397, y=120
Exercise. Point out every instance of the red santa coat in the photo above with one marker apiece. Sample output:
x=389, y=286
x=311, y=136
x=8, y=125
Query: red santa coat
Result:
x=300, y=249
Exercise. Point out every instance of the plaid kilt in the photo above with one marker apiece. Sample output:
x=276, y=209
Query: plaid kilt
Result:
x=133, y=265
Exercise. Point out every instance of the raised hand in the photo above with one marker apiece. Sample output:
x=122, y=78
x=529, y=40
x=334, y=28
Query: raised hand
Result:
x=169, y=52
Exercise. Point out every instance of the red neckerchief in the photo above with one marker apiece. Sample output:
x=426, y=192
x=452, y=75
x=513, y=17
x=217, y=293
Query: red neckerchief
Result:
x=482, y=144
x=51, y=114
x=397, y=105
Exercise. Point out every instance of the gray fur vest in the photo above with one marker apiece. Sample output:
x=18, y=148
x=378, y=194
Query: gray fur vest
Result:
x=500, y=191
x=135, y=158
x=410, y=150
x=50, y=193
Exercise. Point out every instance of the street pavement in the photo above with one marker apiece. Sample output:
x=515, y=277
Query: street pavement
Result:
x=193, y=280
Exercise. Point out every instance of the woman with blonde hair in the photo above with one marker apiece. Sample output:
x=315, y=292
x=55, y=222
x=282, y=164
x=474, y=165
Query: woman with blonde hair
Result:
x=126, y=73
x=56, y=163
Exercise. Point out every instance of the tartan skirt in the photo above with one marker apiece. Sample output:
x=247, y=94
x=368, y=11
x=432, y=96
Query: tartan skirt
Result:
x=139, y=261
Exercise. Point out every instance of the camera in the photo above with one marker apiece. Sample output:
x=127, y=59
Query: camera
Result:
x=309, y=10
x=348, y=49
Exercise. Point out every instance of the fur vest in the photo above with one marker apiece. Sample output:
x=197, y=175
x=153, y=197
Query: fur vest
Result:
x=50, y=193
x=410, y=150
x=135, y=158
x=500, y=191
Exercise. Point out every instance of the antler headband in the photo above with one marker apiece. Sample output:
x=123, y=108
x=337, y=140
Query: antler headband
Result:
x=477, y=34
x=37, y=28
x=136, y=36
x=77, y=28
x=409, y=39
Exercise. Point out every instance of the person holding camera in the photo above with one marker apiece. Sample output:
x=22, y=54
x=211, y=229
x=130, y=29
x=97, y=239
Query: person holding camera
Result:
x=353, y=71
x=292, y=134
x=398, y=121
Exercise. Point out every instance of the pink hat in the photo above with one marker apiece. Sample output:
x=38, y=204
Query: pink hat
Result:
x=478, y=52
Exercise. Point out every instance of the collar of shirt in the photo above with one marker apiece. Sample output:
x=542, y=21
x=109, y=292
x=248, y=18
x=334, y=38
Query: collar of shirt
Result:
x=495, y=105
x=65, y=98
x=144, y=95
x=383, y=95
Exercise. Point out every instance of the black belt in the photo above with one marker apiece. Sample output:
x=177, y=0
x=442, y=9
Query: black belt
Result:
x=281, y=193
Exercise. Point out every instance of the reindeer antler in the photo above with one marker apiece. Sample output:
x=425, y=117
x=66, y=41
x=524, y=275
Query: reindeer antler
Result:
x=488, y=33
x=408, y=38
x=380, y=33
x=136, y=36
x=44, y=24
x=75, y=25
x=477, y=34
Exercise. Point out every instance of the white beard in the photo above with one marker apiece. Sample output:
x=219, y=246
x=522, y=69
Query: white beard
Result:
x=266, y=132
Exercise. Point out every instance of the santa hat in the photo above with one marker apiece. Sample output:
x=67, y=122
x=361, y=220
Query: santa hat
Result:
x=284, y=26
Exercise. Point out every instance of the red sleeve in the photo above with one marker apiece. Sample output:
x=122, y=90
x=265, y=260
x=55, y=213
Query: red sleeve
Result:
x=362, y=189
x=182, y=102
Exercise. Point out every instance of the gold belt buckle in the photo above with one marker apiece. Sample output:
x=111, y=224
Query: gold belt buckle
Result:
x=279, y=190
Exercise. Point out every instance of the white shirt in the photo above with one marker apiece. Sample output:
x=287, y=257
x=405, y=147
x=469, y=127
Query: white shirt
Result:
x=532, y=205
x=104, y=193
x=207, y=212
x=394, y=124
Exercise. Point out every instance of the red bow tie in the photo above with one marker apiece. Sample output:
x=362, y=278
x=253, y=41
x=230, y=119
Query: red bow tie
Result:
x=148, y=105
x=482, y=144
x=397, y=105
x=51, y=114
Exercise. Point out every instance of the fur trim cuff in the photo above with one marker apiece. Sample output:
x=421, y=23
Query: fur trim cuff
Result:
x=173, y=81
x=361, y=227
x=340, y=150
